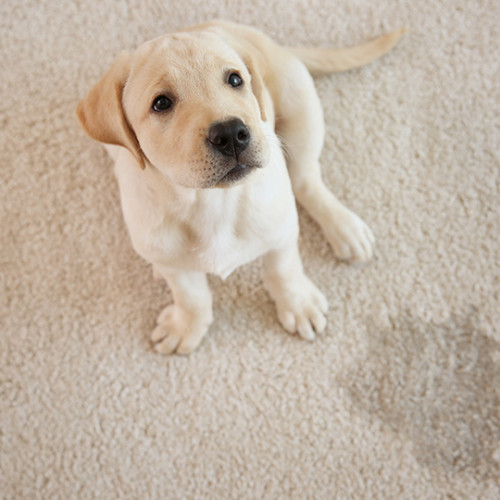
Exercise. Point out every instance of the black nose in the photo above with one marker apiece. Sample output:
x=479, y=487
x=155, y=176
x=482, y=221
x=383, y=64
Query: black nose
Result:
x=230, y=137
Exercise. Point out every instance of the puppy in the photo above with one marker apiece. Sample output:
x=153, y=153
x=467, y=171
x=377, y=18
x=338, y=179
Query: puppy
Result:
x=196, y=122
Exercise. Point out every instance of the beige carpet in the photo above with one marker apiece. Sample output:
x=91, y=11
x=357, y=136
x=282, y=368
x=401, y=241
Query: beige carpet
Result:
x=398, y=400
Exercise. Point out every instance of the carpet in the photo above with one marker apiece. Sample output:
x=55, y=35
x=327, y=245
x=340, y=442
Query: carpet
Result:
x=399, y=399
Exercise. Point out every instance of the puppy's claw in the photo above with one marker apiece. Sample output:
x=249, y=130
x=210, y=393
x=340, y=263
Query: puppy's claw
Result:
x=167, y=343
x=305, y=330
x=287, y=320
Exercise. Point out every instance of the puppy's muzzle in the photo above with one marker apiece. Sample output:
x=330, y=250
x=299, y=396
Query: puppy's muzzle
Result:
x=230, y=137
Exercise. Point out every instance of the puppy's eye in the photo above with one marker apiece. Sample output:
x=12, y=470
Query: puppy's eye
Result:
x=162, y=103
x=235, y=80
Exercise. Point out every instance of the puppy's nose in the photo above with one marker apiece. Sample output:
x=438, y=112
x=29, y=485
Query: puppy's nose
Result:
x=230, y=137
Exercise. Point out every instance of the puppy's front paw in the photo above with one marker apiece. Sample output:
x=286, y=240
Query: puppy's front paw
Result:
x=178, y=331
x=350, y=237
x=302, y=309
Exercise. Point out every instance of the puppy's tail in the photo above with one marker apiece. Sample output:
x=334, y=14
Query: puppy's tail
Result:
x=323, y=61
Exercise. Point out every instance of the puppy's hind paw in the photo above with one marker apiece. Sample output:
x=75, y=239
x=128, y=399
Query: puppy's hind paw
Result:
x=351, y=239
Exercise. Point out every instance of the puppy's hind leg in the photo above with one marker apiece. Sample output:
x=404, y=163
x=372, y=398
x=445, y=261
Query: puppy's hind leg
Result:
x=302, y=130
x=183, y=324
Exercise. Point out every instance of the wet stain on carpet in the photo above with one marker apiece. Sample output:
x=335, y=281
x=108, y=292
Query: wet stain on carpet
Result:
x=439, y=386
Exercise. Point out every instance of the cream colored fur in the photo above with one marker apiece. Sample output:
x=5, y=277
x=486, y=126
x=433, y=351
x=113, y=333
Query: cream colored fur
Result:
x=182, y=214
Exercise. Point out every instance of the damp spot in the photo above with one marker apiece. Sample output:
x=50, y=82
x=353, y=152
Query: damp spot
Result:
x=437, y=385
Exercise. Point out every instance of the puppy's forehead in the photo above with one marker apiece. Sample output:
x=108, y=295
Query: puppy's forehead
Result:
x=182, y=54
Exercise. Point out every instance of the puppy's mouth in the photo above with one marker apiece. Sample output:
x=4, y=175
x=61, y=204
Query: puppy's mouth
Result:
x=237, y=173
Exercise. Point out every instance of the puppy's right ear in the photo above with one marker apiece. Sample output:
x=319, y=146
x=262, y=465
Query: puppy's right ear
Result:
x=101, y=113
x=257, y=83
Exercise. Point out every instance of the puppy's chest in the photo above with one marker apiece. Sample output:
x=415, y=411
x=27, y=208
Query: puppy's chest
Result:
x=219, y=237
x=223, y=245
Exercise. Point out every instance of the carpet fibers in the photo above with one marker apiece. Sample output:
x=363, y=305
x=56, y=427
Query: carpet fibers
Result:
x=399, y=399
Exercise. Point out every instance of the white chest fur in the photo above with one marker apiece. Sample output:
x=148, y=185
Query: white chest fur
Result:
x=209, y=230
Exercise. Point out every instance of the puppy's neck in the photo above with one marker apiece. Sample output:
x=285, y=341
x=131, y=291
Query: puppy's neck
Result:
x=165, y=189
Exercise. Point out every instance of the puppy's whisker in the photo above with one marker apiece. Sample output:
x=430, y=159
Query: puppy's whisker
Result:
x=288, y=150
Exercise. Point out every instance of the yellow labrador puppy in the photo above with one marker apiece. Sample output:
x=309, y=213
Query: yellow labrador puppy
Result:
x=197, y=121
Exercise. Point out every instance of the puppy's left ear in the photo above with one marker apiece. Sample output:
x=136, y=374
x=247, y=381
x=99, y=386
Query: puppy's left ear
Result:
x=257, y=82
x=101, y=113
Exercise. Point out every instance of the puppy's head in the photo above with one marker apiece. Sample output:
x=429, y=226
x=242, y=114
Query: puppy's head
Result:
x=187, y=103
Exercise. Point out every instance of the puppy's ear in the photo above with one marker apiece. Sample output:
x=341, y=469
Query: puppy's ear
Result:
x=257, y=82
x=101, y=113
